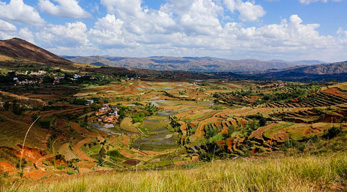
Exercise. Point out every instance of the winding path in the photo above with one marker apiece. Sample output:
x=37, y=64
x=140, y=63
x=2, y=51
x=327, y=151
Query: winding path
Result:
x=77, y=150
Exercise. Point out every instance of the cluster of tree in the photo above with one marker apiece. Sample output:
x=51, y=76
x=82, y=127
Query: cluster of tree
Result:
x=15, y=107
x=290, y=91
x=148, y=110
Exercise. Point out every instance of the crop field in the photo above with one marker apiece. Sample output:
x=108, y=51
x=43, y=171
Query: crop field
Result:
x=165, y=125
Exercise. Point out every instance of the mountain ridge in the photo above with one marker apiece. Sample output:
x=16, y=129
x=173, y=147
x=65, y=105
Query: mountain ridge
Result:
x=190, y=64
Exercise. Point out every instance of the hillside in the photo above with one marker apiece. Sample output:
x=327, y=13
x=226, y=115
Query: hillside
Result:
x=323, y=72
x=299, y=173
x=192, y=64
x=325, y=69
x=20, y=50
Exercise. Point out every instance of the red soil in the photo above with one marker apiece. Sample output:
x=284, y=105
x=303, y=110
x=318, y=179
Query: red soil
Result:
x=183, y=126
x=336, y=91
x=258, y=134
x=7, y=167
x=225, y=131
x=126, y=154
x=29, y=153
x=221, y=143
x=79, y=129
x=36, y=174
x=229, y=142
x=77, y=150
x=126, y=140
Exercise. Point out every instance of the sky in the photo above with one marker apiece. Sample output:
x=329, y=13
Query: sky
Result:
x=234, y=29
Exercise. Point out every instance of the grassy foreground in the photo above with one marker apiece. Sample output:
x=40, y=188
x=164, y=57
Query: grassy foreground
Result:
x=303, y=173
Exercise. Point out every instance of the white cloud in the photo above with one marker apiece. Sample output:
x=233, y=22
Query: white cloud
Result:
x=65, y=8
x=26, y=34
x=108, y=32
x=180, y=28
x=17, y=11
x=290, y=39
x=342, y=35
x=7, y=27
x=139, y=20
x=200, y=17
x=248, y=10
x=68, y=35
x=313, y=1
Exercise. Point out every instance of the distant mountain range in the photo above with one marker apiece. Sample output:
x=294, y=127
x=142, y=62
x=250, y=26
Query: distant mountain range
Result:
x=191, y=64
x=17, y=52
x=323, y=72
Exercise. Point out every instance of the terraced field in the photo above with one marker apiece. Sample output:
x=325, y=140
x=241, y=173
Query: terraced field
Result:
x=179, y=131
x=320, y=99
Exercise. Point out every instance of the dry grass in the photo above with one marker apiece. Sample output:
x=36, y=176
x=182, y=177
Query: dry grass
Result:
x=301, y=173
x=5, y=58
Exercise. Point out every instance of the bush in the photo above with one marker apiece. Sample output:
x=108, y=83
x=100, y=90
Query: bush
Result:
x=114, y=153
x=61, y=167
x=70, y=172
x=138, y=117
x=6, y=174
x=332, y=132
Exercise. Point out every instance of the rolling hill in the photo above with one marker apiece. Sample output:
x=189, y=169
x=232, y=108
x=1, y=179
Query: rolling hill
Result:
x=192, y=64
x=323, y=72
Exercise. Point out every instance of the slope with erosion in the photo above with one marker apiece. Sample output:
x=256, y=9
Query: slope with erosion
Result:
x=20, y=49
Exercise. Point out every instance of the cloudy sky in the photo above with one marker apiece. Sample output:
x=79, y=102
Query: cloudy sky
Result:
x=235, y=29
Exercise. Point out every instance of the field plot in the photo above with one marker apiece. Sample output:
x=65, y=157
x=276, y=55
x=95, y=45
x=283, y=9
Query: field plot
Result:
x=165, y=124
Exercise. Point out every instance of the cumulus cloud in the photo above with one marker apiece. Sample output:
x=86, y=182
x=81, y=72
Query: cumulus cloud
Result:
x=290, y=37
x=64, y=8
x=249, y=11
x=108, y=32
x=139, y=20
x=17, y=11
x=26, y=34
x=200, y=17
x=176, y=28
x=7, y=27
x=68, y=35
x=342, y=35
x=313, y=1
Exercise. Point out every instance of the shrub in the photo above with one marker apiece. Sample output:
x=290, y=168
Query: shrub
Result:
x=6, y=174
x=332, y=132
x=61, y=167
x=70, y=172
x=114, y=153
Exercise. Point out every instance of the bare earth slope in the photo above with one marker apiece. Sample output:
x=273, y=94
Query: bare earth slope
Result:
x=20, y=49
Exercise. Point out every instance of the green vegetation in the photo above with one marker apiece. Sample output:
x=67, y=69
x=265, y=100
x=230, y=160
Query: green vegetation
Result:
x=295, y=173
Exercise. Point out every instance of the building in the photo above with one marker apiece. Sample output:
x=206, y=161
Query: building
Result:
x=89, y=102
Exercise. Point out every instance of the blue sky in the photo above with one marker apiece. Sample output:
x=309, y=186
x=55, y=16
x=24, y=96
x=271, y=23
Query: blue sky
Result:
x=235, y=29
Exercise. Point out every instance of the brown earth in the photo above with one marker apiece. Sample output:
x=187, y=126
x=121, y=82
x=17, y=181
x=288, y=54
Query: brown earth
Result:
x=21, y=49
x=258, y=134
x=84, y=131
x=336, y=91
x=4, y=166
x=77, y=150
x=36, y=174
